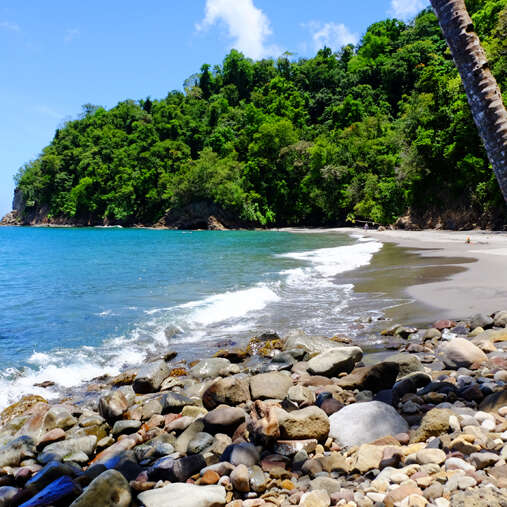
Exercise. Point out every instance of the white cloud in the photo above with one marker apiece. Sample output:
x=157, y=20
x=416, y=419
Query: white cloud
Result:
x=406, y=9
x=7, y=25
x=247, y=25
x=71, y=34
x=332, y=35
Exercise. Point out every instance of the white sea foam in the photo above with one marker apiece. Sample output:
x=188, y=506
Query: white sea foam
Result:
x=229, y=305
x=330, y=262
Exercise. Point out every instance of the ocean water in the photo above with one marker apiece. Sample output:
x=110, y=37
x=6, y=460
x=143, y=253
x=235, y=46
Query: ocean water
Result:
x=79, y=303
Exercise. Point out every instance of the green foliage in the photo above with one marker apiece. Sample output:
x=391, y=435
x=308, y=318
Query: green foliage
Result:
x=363, y=133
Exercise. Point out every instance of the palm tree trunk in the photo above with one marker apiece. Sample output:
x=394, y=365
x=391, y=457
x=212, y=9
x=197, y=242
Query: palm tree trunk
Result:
x=480, y=85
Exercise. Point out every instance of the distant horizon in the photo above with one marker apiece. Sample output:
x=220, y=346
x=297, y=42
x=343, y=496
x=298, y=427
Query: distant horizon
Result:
x=59, y=57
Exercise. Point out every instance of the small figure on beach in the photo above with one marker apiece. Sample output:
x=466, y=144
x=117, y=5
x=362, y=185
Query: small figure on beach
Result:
x=366, y=226
x=467, y=241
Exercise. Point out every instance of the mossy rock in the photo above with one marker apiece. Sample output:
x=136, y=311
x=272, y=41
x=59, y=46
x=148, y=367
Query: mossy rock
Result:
x=20, y=407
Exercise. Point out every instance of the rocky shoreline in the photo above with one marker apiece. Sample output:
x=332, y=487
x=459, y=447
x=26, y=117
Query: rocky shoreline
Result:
x=298, y=420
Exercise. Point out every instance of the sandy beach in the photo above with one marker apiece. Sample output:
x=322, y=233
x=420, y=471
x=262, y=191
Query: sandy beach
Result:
x=481, y=283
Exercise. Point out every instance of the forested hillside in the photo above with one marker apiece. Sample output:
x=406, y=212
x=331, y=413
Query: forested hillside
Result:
x=366, y=133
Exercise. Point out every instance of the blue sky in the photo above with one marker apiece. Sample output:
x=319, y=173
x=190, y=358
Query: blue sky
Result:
x=57, y=55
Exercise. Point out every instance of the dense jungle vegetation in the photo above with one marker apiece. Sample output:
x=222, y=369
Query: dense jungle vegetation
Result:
x=364, y=133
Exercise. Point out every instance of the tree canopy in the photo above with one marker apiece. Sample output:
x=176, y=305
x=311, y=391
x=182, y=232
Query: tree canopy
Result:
x=367, y=132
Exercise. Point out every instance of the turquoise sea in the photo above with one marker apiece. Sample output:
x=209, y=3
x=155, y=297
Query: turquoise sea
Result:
x=78, y=303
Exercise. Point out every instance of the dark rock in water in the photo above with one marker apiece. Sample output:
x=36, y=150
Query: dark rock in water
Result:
x=55, y=492
x=17, y=450
x=241, y=454
x=150, y=377
x=125, y=463
x=227, y=391
x=112, y=405
x=52, y=471
x=109, y=489
x=405, y=332
x=224, y=420
x=372, y=378
x=46, y=383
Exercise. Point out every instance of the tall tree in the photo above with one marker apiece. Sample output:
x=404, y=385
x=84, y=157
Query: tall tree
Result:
x=480, y=85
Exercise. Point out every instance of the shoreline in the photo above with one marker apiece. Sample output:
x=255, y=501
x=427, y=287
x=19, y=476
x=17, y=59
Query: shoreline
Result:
x=476, y=278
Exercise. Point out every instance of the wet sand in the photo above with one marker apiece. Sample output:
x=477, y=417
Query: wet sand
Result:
x=438, y=270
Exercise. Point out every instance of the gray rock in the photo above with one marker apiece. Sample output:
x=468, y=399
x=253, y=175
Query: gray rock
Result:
x=224, y=420
x=109, y=489
x=241, y=454
x=327, y=483
x=125, y=426
x=184, y=495
x=112, y=405
x=150, y=376
x=71, y=446
x=501, y=319
x=58, y=417
x=213, y=367
x=483, y=459
x=298, y=340
x=200, y=442
x=189, y=434
x=334, y=361
x=272, y=385
x=459, y=352
x=174, y=402
x=16, y=451
x=361, y=423
x=481, y=320
x=408, y=363
x=229, y=391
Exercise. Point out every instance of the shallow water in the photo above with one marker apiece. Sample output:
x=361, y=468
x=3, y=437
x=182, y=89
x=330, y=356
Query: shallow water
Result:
x=78, y=303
